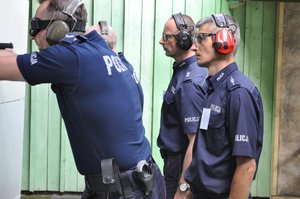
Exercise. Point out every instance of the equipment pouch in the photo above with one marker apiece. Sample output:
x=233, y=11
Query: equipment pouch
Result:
x=143, y=176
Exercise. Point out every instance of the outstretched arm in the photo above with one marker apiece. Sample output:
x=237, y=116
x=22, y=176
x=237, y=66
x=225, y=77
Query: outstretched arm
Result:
x=9, y=69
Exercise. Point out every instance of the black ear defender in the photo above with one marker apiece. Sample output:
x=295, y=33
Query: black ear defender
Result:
x=224, y=39
x=58, y=28
x=103, y=27
x=184, y=38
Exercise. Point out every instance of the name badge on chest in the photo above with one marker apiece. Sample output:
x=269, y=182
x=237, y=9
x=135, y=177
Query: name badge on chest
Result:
x=205, y=118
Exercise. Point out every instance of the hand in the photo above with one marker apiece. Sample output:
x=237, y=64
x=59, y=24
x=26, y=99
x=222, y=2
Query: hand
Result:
x=7, y=52
x=183, y=195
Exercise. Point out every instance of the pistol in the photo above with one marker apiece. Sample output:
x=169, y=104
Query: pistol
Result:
x=6, y=45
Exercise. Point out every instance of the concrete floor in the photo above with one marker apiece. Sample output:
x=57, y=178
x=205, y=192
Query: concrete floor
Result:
x=51, y=196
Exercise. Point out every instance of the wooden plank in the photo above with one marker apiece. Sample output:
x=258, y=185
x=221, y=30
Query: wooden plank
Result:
x=132, y=33
x=102, y=11
x=161, y=72
x=252, y=67
x=239, y=14
x=178, y=6
x=117, y=21
x=63, y=143
x=147, y=54
x=267, y=92
x=284, y=197
x=38, y=137
x=69, y=171
x=277, y=102
x=53, y=144
x=88, y=4
x=26, y=142
x=209, y=7
x=193, y=8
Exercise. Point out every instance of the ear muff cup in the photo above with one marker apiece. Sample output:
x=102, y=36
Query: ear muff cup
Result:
x=56, y=31
x=184, y=40
x=224, y=41
x=58, y=28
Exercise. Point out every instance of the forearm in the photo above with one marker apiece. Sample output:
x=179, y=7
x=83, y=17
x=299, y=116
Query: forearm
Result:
x=186, y=162
x=188, y=157
x=242, y=179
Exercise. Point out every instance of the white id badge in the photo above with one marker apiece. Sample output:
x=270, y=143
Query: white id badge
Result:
x=205, y=118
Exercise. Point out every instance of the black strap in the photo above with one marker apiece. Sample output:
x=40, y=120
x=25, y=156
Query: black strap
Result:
x=127, y=187
x=118, y=183
x=179, y=21
x=110, y=176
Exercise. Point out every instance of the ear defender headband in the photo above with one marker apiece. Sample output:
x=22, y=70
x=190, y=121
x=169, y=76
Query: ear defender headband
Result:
x=224, y=39
x=184, y=38
x=103, y=27
x=57, y=29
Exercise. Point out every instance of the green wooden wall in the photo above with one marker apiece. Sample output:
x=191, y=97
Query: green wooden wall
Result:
x=48, y=162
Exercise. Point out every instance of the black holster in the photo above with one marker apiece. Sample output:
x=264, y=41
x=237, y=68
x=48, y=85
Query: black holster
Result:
x=143, y=177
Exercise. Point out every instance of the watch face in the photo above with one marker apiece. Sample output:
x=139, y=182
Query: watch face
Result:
x=183, y=187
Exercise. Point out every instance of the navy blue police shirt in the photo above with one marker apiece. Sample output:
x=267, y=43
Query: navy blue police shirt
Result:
x=234, y=128
x=181, y=106
x=98, y=99
x=134, y=76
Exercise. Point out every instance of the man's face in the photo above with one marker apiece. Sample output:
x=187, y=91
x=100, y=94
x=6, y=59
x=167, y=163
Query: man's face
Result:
x=168, y=40
x=204, y=50
x=40, y=37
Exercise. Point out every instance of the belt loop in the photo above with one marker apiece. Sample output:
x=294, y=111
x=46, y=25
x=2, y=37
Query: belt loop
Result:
x=110, y=176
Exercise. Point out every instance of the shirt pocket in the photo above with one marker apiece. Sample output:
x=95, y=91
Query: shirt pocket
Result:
x=215, y=136
x=170, y=105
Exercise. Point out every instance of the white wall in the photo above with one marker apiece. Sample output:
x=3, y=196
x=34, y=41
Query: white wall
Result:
x=14, y=28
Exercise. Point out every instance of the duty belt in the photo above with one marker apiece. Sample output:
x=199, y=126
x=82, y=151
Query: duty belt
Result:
x=119, y=184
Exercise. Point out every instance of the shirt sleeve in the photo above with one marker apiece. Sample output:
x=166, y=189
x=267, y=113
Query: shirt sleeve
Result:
x=57, y=65
x=189, y=98
x=243, y=123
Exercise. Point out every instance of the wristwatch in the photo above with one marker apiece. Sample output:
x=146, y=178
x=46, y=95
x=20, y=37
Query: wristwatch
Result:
x=184, y=187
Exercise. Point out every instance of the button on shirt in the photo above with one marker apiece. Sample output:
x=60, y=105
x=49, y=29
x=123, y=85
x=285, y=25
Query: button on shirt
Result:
x=181, y=106
x=235, y=128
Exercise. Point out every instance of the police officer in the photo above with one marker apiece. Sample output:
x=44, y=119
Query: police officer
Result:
x=181, y=106
x=98, y=99
x=228, y=146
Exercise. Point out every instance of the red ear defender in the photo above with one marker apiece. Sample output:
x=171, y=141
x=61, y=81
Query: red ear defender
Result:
x=224, y=41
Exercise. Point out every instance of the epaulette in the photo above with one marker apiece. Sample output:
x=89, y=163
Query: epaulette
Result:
x=232, y=84
x=188, y=75
x=72, y=37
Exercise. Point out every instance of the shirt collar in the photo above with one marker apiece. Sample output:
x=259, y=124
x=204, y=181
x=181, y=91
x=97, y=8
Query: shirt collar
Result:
x=214, y=81
x=185, y=62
